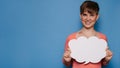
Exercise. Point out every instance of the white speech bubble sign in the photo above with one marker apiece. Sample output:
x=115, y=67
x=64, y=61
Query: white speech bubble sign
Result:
x=87, y=50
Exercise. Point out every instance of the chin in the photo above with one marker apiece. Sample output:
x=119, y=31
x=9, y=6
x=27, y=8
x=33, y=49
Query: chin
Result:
x=88, y=27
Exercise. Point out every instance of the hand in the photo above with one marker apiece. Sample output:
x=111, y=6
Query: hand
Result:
x=67, y=56
x=108, y=53
x=107, y=57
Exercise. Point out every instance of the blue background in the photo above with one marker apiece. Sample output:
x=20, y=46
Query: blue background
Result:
x=33, y=32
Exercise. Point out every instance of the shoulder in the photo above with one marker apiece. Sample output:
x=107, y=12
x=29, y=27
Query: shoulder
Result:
x=72, y=36
x=102, y=36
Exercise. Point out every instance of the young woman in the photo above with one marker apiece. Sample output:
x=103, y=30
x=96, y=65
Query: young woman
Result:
x=89, y=13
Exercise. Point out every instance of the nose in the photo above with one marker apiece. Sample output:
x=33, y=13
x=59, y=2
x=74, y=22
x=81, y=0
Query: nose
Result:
x=88, y=18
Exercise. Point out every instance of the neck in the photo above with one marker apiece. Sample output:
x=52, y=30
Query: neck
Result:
x=88, y=32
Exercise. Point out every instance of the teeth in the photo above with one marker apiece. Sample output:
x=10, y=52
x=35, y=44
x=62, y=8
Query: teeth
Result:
x=87, y=23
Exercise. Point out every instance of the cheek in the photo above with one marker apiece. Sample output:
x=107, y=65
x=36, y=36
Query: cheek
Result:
x=83, y=18
x=94, y=19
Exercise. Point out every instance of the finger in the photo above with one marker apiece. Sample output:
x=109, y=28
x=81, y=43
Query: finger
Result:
x=68, y=52
x=68, y=49
x=109, y=53
x=66, y=55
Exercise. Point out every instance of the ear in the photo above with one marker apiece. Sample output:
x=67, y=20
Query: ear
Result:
x=80, y=16
x=97, y=17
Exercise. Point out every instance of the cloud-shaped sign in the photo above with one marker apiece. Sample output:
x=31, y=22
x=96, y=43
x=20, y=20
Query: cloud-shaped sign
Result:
x=87, y=50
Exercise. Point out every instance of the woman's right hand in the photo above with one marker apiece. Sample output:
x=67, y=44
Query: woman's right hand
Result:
x=67, y=56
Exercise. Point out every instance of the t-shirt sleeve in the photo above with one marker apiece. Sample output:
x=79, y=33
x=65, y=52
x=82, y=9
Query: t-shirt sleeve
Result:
x=72, y=36
x=66, y=43
x=103, y=36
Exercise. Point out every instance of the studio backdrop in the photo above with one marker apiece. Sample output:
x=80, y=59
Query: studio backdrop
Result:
x=33, y=32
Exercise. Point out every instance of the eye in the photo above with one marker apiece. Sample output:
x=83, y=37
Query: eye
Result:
x=92, y=15
x=84, y=14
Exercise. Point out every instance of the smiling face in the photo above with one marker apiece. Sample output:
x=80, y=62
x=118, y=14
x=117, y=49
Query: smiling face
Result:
x=88, y=19
x=89, y=13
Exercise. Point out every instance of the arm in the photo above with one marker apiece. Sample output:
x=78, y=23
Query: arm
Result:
x=108, y=57
x=67, y=60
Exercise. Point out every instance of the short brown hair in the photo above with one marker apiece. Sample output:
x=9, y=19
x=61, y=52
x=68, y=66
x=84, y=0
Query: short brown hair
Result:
x=89, y=6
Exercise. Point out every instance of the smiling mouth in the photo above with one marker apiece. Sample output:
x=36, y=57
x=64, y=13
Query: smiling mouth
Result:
x=87, y=23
